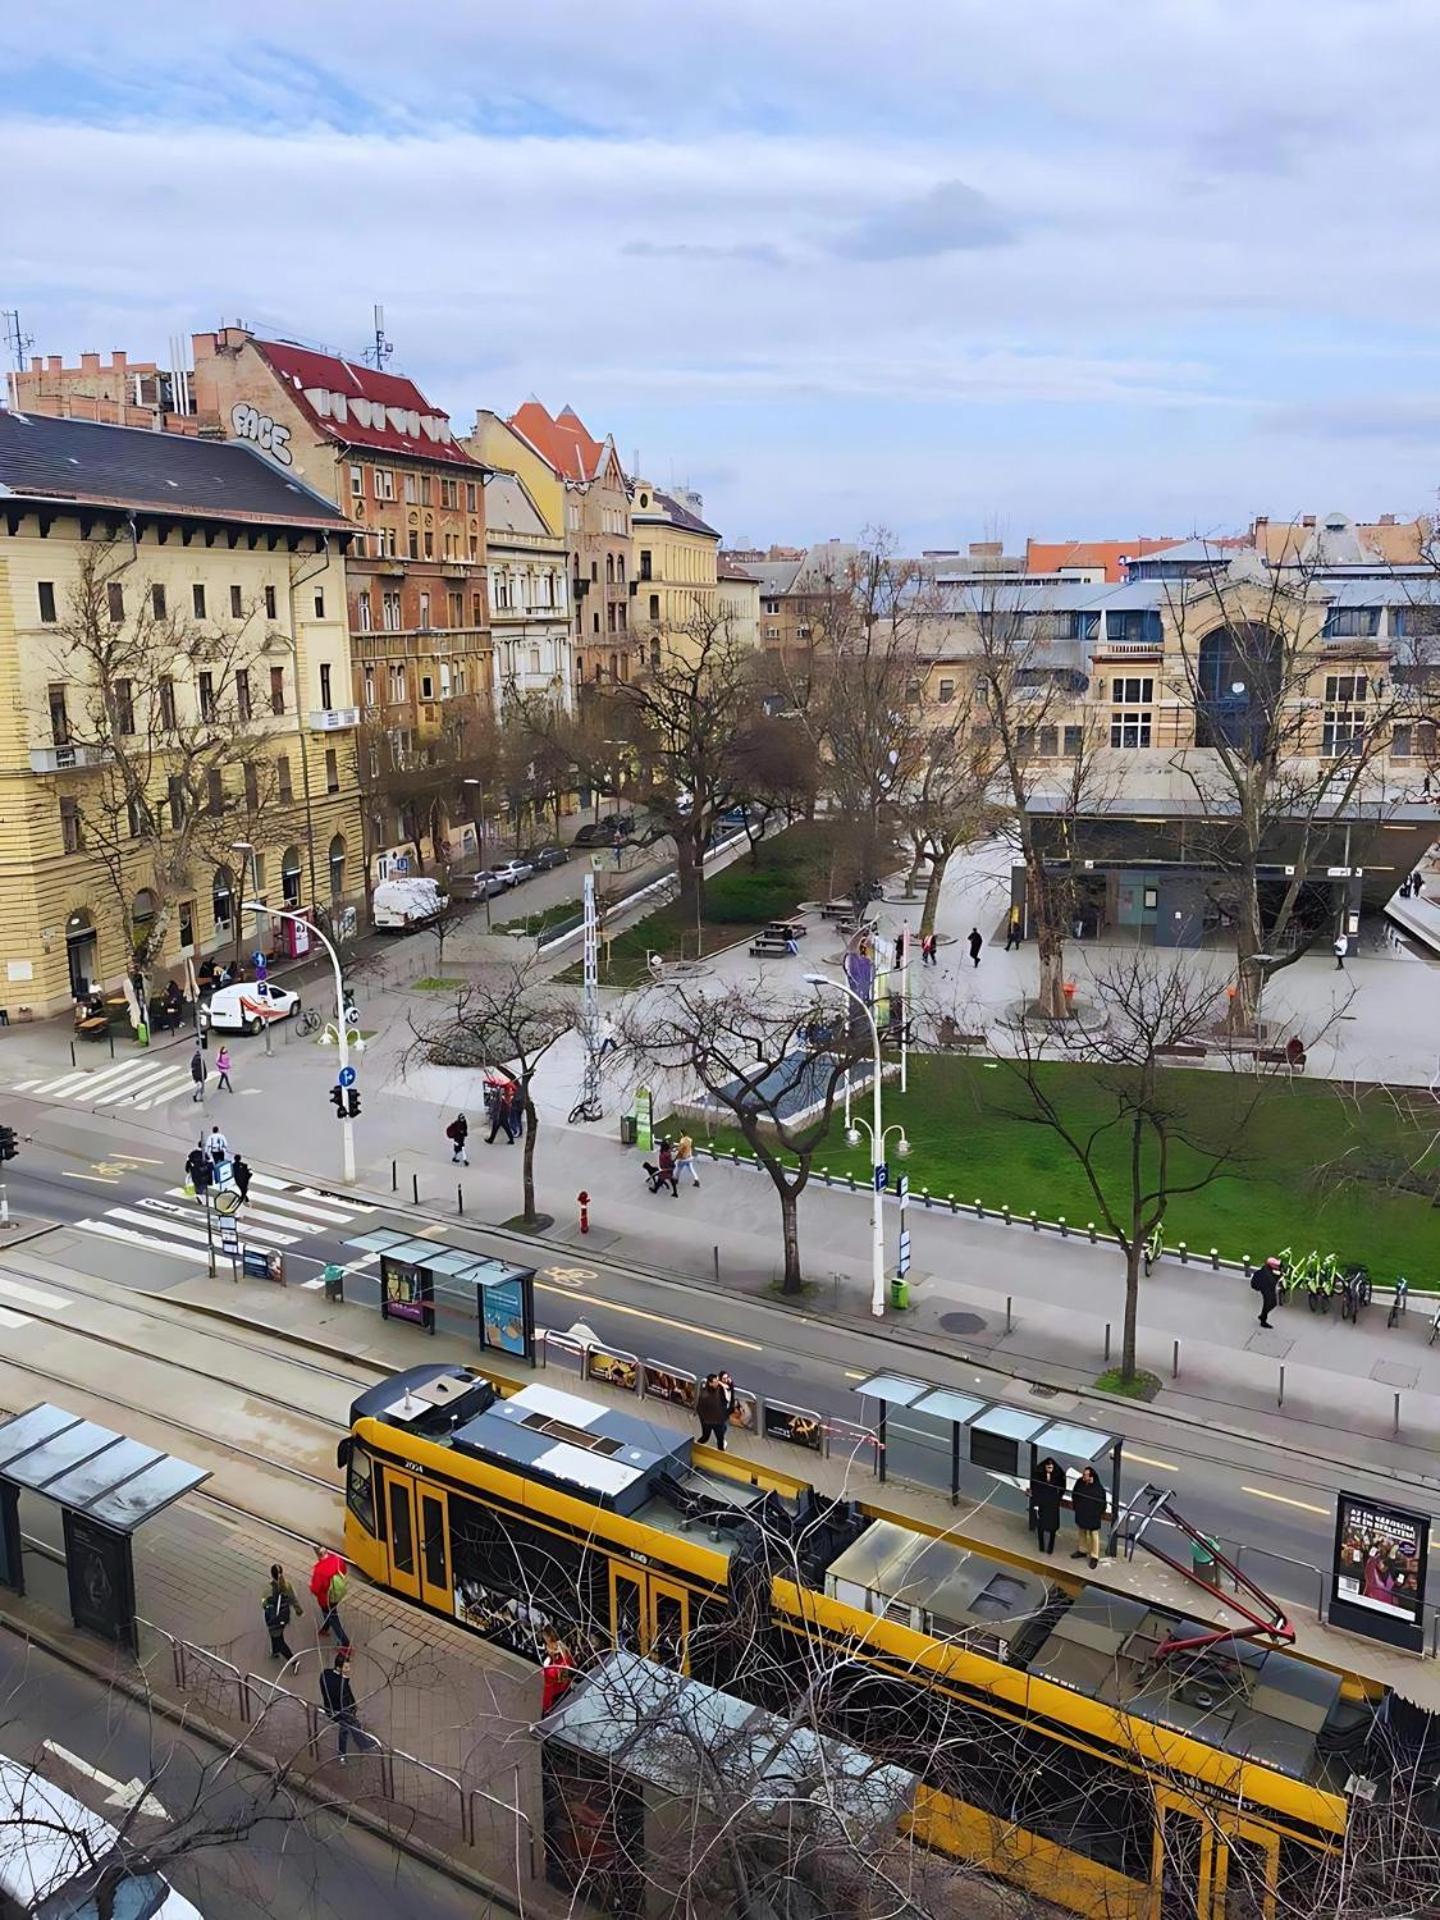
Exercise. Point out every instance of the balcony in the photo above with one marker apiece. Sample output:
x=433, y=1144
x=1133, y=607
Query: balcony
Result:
x=67, y=759
x=333, y=719
x=1127, y=649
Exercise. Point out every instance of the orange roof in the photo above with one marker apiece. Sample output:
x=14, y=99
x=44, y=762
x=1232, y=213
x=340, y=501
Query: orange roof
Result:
x=1049, y=556
x=562, y=439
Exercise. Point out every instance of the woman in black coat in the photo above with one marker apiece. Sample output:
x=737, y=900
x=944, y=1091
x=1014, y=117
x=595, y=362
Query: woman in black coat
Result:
x=1087, y=1497
x=1047, y=1491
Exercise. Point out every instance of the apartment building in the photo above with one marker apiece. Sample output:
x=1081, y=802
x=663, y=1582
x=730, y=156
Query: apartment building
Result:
x=173, y=643
x=676, y=576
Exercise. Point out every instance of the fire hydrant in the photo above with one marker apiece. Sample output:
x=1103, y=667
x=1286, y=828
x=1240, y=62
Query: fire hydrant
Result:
x=584, y=1200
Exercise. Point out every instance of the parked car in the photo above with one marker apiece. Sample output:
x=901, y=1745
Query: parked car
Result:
x=512, y=872
x=543, y=858
x=484, y=885
x=407, y=902
x=249, y=1005
x=605, y=832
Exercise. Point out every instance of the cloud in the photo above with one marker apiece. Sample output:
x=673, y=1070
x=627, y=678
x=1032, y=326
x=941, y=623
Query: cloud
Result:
x=950, y=218
x=752, y=253
x=1403, y=419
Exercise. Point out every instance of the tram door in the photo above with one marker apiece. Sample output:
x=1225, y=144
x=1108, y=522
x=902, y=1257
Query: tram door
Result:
x=650, y=1615
x=436, y=1585
x=1184, y=1866
x=669, y=1625
x=1244, y=1875
x=401, y=1537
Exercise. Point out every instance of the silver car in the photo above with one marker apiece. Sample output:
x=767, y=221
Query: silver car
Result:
x=512, y=872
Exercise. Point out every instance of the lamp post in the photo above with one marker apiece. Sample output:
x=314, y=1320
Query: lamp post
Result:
x=342, y=1034
x=875, y=1127
x=247, y=853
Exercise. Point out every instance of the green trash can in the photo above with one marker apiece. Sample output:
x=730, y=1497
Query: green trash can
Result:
x=334, y=1281
x=627, y=1129
x=899, y=1293
x=1202, y=1558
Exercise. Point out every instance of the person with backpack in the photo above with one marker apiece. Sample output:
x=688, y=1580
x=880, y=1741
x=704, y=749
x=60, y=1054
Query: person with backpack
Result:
x=457, y=1133
x=279, y=1605
x=240, y=1174
x=337, y=1697
x=328, y=1582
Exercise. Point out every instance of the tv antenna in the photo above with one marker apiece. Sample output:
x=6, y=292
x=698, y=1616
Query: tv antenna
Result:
x=18, y=341
x=377, y=355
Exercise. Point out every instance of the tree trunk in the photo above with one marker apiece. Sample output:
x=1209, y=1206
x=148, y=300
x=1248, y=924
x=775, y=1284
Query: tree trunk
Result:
x=1249, y=972
x=527, y=1162
x=793, y=1282
x=691, y=877
x=1051, y=996
x=1133, y=1258
x=931, y=908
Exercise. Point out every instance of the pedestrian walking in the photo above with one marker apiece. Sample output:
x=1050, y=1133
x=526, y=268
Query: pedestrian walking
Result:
x=1087, y=1497
x=198, y=1071
x=328, y=1581
x=712, y=1409
x=685, y=1160
x=337, y=1696
x=1342, y=947
x=216, y=1145
x=1047, y=1492
x=899, y=951
x=457, y=1133
x=279, y=1606
x=732, y=1398
x=222, y=1067
x=976, y=943
x=667, y=1168
x=240, y=1174
x=929, y=954
x=1417, y=883
x=1266, y=1282
x=557, y=1670
x=1012, y=929
x=197, y=1168
x=608, y=1040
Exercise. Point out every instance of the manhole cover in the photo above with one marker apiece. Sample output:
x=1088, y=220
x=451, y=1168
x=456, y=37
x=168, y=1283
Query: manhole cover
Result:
x=962, y=1322
x=1043, y=1393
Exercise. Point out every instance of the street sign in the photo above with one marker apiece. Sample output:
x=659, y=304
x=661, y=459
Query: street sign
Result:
x=228, y=1200
x=902, y=1185
x=230, y=1238
x=346, y=1076
x=902, y=1265
x=882, y=1177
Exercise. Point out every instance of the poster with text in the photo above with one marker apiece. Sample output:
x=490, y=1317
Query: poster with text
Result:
x=1379, y=1573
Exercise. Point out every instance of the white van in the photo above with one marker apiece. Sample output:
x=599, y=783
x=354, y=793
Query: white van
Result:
x=52, y=1848
x=249, y=1005
x=408, y=903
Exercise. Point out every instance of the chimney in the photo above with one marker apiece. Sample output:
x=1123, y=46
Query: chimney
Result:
x=1261, y=520
x=89, y=363
x=1308, y=521
x=55, y=363
x=1387, y=519
x=118, y=360
x=36, y=363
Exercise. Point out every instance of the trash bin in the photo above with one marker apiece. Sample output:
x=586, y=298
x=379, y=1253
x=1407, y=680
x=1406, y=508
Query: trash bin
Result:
x=627, y=1129
x=899, y=1293
x=1202, y=1558
x=334, y=1282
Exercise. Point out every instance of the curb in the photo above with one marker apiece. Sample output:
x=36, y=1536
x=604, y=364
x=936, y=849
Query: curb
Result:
x=197, y=1719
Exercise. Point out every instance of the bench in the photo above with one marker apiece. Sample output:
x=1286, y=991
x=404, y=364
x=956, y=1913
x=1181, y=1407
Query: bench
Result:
x=784, y=930
x=949, y=1035
x=1182, y=1050
x=93, y=1027
x=837, y=910
x=767, y=949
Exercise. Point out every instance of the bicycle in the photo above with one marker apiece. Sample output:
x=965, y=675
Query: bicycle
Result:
x=1400, y=1304
x=1434, y=1328
x=1355, y=1291
x=586, y=1110
x=309, y=1021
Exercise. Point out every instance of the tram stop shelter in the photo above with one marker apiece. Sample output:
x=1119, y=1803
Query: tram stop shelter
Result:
x=105, y=1486
x=643, y=1769
x=440, y=1270
x=944, y=1439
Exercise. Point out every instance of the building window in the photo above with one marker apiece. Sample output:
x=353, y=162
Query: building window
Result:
x=645, y=563
x=1049, y=742
x=252, y=787
x=444, y=679
x=270, y=603
x=1130, y=727
x=166, y=695
x=427, y=687
x=368, y=682
x=237, y=604
x=1344, y=723
x=411, y=492
x=242, y=693
x=457, y=609
x=175, y=793
x=290, y=876
x=215, y=790
x=1352, y=623
x=284, y=790
x=332, y=770
x=325, y=699
x=115, y=602
x=414, y=544
x=595, y=622
x=136, y=815
x=45, y=590
x=1131, y=692
x=471, y=497
x=472, y=545
x=187, y=923
x=157, y=601
x=449, y=493
x=429, y=544
x=366, y=613
x=59, y=719
x=336, y=864
x=654, y=605
x=124, y=706
x=205, y=685
x=319, y=603
x=397, y=684
x=1073, y=737
x=72, y=833
x=424, y=610
x=357, y=482
x=277, y=689
x=222, y=899
x=197, y=600
x=384, y=484
x=427, y=490
x=390, y=609
x=947, y=691
x=460, y=677
x=620, y=568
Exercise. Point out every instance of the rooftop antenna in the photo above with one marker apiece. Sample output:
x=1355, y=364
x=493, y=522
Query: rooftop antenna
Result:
x=377, y=355
x=18, y=341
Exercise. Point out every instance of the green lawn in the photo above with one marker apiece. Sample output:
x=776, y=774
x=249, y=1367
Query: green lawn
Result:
x=541, y=920
x=1313, y=1170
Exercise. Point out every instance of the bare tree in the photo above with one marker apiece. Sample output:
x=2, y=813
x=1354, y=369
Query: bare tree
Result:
x=508, y=1019
x=1130, y=1121
x=425, y=785
x=774, y=1065
x=948, y=803
x=169, y=717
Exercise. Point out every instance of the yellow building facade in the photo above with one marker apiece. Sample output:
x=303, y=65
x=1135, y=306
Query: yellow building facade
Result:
x=173, y=648
x=676, y=570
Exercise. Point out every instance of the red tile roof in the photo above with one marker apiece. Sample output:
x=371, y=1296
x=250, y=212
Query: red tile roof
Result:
x=1049, y=556
x=391, y=409
x=563, y=439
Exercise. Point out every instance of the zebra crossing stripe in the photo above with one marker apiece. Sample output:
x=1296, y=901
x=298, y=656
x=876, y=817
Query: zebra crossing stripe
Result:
x=146, y=1240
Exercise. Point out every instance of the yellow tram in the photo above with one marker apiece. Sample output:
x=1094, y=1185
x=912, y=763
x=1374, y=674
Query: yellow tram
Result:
x=1057, y=1750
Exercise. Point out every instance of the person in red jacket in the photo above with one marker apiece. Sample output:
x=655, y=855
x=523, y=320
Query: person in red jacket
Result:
x=329, y=1568
x=556, y=1671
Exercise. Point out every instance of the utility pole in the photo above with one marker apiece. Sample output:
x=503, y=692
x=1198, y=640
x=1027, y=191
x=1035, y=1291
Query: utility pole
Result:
x=590, y=1004
x=16, y=339
x=381, y=351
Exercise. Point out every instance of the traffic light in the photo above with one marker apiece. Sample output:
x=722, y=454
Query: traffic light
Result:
x=337, y=1100
x=354, y=1099
x=8, y=1148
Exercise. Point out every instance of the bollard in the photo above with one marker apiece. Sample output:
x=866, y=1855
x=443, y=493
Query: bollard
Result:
x=415, y=1189
x=459, y=1198
x=1397, y=1412
x=1093, y=1240
x=979, y=1210
x=1009, y=1318
x=1064, y=1228
x=1005, y=1215
x=715, y=1254
x=1184, y=1253
x=1175, y=1362
x=1034, y=1220
x=1107, y=1343
x=951, y=1198
x=110, y=1036
x=72, y=1053
x=825, y=1175
x=1281, y=1400
x=394, y=1176
x=1215, y=1258
x=583, y=1198
x=925, y=1195
x=735, y=1159
x=852, y=1183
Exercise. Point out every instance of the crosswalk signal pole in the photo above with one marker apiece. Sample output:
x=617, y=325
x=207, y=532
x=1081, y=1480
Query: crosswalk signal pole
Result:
x=342, y=1030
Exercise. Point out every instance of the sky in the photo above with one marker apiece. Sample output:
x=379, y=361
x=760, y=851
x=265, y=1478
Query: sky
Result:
x=962, y=270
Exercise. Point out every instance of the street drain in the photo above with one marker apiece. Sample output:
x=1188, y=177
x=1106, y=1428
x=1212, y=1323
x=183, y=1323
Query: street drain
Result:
x=1043, y=1393
x=962, y=1322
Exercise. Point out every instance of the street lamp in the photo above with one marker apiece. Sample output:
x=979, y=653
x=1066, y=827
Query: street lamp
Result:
x=247, y=853
x=342, y=1033
x=876, y=1129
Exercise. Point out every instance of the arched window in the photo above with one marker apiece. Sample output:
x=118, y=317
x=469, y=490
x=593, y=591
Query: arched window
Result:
x=1235, y=682
x=609, y=569
x=620, y=568
x=290, y=876
x=222, y=899
x=337, y=866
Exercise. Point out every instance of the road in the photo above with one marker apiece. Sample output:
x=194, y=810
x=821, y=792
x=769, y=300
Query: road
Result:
x=1281, y=1503
x=289, y=1857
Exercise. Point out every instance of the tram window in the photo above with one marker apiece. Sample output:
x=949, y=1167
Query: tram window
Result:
x=669, y=1647
x=1245, y=1880
x=1182, y=1839
x=402, y=1541
x=360, y=1487
x=494, y=1554
x=627, y=1614
x=432, y=1539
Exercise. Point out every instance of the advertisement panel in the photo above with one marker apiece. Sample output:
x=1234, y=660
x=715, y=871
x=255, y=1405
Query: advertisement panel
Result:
x=1378, y=1578
x=504, y=1319
x=406, y=1292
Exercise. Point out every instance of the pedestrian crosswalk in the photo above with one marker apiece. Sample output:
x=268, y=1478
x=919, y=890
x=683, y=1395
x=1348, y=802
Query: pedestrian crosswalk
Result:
x=140, y=1083
x=16, y=1294
x=277, y=1217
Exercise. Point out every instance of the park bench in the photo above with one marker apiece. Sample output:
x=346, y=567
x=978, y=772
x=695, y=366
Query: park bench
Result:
x=837, y=910
x=93, y=1027
x=767, y=949
x=1183, y=1050
x=949, y=1035
x=784, y=930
